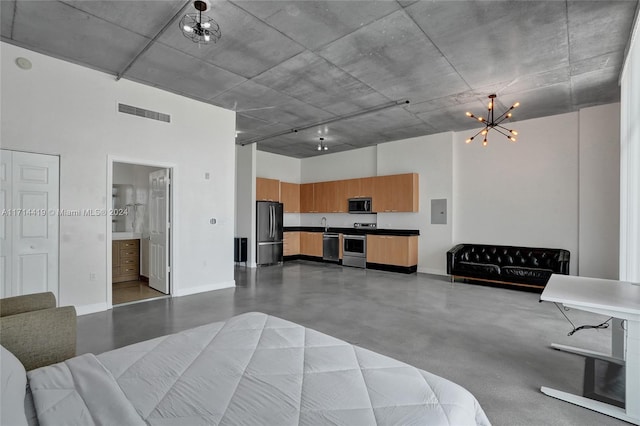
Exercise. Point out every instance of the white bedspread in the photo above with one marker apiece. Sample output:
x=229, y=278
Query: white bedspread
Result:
x=253, y=369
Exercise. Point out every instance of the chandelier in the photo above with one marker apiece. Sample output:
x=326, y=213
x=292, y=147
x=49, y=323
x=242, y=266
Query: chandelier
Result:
x=322, y=146
x=494, y=123
x=200, y=28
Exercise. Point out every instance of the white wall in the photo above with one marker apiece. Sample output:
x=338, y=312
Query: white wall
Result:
x=339, y=165
x=122, y=174
x=630, y=161
x=523, y=193
x=432, y=158
x=599, y=202
x=274, y=166
x=64, y=109
x=245, y=201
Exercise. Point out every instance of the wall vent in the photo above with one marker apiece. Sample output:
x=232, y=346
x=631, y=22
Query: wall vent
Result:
x=145, y=113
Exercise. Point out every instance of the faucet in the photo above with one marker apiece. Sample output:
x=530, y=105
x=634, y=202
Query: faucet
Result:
x=323, y=222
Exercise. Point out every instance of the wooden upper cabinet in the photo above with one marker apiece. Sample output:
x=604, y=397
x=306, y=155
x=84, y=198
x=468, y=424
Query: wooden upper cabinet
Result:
x=290, y=197
x=328, y=197
x=341, y=196
x=351, y=188
x=307, y=204
x=267, y=189
x=396, y=193
x=367, y=186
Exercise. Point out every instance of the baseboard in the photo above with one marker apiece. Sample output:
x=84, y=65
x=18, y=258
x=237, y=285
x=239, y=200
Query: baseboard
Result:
x=392, y=268
x=309, y=258
x=203, y=288
x=144, y=279
x=91, y=309
x=432, y=271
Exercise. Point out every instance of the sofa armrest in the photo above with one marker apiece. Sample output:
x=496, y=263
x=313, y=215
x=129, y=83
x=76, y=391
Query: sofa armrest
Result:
x=41, y=337
x=451, y=257
x=26, y=303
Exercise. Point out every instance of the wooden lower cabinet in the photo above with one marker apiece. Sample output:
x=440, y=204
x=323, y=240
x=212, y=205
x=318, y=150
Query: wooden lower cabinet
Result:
x=392, y=250
x=311, y=244
x=125, y=260
x=291, y=243
x=398, y=253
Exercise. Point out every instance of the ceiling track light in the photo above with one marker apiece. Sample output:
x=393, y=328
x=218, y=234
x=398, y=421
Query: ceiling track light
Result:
x=492, y=123
x=329, y=121
x=200, y=28
x=322, y=146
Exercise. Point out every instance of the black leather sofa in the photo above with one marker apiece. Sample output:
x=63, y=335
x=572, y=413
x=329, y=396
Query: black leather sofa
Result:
x=523, y=266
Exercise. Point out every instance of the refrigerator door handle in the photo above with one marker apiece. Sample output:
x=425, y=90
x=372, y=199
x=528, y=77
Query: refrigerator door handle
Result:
x=271, y=221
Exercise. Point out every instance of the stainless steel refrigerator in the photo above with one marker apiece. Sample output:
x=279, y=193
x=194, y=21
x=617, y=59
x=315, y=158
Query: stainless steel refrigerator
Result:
x=269, y=232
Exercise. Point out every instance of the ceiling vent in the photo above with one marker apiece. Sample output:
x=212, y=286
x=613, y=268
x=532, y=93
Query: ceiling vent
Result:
x=145, y=113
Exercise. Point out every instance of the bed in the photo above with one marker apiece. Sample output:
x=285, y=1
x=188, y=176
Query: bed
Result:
x=253, y=369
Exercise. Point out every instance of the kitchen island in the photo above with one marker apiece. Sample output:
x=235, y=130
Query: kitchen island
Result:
x=394, y=250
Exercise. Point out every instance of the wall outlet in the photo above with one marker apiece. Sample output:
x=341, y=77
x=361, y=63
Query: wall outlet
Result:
x=92, y=276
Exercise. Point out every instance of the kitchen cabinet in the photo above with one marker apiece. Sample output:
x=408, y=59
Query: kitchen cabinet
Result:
x=392, y=250
x=311, y=243
x=125, y=260
x=307, y=198
x=290, y=197
x=341, y=198
x=393, y=193
x=351, y=189
x=291, y=243
x=329, y=197
x=396, y=193
x=367, y=186
x=333, y=196
x=358, y=188
x=267, y=189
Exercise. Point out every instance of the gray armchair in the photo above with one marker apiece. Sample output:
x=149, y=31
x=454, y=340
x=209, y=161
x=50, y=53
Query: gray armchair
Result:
x=35, y=331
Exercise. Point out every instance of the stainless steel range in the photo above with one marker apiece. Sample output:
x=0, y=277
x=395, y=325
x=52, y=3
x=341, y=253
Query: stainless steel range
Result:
x=354, y=249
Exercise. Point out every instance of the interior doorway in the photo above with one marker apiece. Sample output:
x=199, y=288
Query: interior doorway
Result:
x=140, y=232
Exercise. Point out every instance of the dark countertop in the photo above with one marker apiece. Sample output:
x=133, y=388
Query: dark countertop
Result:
x=354, y=231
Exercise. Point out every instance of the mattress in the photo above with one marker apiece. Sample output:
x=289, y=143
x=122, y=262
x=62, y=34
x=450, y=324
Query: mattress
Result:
x=253, y=369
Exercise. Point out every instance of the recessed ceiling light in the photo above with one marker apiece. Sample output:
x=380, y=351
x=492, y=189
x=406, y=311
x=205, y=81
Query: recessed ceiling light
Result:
x=23, y=63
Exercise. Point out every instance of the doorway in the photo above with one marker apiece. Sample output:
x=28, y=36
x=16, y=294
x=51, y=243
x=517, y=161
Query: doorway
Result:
x=140, y=231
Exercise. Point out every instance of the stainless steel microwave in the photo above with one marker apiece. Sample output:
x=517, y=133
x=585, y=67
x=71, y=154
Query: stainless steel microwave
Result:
x=360, y=205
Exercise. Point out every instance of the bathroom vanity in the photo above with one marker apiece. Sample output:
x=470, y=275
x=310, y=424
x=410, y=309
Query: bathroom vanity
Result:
x=125, y=260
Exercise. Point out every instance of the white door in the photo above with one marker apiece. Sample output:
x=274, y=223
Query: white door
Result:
x=32, y=223
x=159, y=230
x=6, y=234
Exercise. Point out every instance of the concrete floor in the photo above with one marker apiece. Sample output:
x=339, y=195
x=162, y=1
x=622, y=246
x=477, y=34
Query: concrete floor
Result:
x=492, y=341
